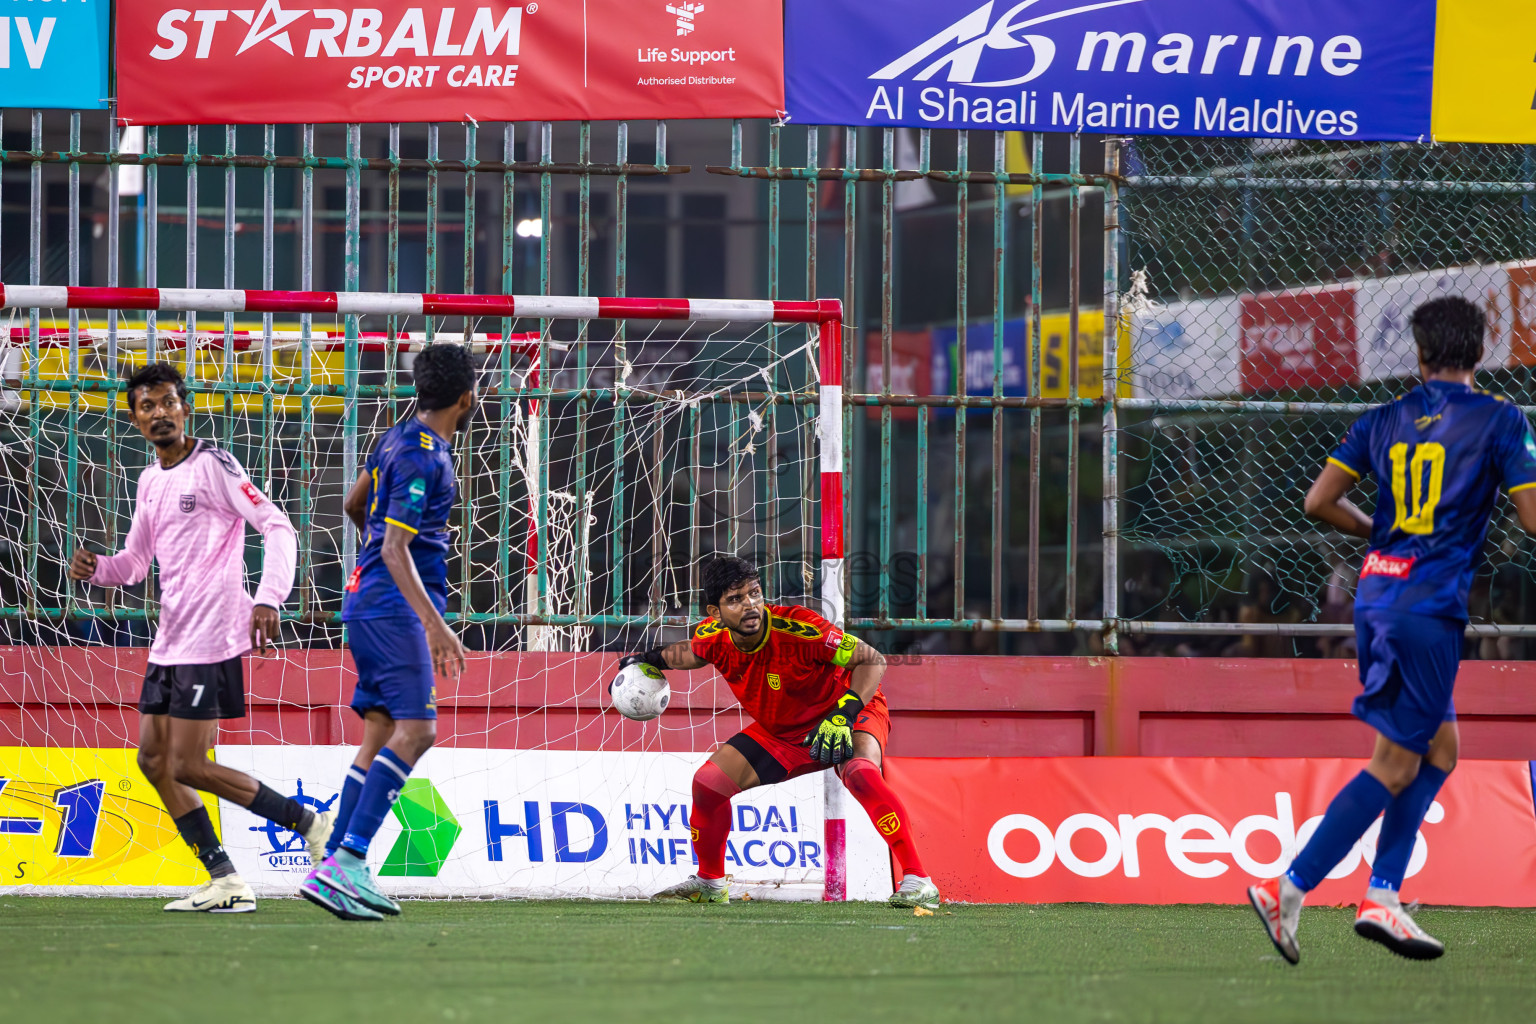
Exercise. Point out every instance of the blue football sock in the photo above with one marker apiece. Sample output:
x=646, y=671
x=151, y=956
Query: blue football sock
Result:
x=351, y=789
x=380, y=791
x=1400, y=827
x=1350, y=814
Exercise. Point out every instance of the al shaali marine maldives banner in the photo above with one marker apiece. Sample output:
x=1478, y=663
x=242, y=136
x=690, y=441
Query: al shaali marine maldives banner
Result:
x=1270, y=68
x=55, y=54
x=488, y=60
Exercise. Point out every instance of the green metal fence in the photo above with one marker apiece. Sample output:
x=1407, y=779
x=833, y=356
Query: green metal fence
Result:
x=1075, y=482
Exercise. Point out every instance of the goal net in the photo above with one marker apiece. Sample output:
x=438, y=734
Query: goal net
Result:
x=616, y=444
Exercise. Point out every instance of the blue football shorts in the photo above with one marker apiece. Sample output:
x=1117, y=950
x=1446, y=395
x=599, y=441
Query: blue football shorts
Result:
x=1408, y=668
x=394, y=667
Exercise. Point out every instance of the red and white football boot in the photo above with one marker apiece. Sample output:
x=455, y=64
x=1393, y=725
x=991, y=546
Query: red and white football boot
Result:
x=1382, y=919
x=1278, y=904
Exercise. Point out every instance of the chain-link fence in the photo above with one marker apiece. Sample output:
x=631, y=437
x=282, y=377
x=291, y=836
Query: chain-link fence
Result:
x=1268, y=287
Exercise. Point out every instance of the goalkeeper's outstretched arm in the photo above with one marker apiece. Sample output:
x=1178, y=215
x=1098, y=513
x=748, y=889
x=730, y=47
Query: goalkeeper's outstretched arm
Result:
x=678, y=656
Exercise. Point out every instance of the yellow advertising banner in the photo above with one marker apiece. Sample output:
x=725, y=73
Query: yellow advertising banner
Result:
x=76, y=816
x=244, y=368
x=1055, y=358
x=1485, y=74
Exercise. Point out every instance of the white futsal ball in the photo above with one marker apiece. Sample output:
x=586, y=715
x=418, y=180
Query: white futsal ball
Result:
x=640, y=692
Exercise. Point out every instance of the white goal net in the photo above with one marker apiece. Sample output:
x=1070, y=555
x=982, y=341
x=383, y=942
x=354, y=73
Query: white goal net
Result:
x=616, y=444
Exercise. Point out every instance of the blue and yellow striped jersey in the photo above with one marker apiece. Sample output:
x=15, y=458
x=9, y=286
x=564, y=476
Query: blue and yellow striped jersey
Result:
x=412, y=486
x=1439, y=455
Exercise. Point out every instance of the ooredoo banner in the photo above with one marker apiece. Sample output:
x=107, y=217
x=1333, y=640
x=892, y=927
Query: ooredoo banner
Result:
x=1197, y=830
x=549, y=60
x=1269, y=68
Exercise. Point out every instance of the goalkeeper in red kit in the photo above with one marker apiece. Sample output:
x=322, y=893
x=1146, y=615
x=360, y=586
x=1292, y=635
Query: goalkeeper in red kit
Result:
x=813, y=692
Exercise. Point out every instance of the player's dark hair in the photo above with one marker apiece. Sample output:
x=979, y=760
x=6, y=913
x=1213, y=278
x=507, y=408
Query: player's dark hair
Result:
x=1449, y=333
x=722, y=573
x=442, y=373
x=151, y=374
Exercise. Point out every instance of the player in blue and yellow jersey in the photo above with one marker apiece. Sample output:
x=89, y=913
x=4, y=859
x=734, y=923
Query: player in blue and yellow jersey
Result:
x=1439, y=455
x=393, y=609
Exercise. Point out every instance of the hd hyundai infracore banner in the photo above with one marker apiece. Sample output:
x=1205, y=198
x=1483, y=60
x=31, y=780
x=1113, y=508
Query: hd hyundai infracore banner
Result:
x=284, y=61
x=1271, y=68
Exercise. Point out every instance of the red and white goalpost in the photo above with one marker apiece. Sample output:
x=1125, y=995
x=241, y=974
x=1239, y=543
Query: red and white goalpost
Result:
x=742, y=330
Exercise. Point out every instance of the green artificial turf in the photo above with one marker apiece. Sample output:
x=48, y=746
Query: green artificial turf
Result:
x=75, y=959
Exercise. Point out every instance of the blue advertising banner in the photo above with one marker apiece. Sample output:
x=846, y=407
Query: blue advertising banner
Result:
x=55, y=55
x=979, y=359
x=1316, y=69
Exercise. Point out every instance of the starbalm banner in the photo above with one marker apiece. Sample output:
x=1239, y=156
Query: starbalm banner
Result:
x=550, y=60
x=1315, y=69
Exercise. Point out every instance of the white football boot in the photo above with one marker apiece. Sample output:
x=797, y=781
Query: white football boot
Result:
x=916, y=891
x=227, y=895
x=694, y=889
x=1382, y=919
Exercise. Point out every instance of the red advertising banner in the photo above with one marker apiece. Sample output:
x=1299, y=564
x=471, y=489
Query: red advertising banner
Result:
x=911, y=368
x=1522, y=302
x=1296, y=340
x=1196, y=830
x=533, y=60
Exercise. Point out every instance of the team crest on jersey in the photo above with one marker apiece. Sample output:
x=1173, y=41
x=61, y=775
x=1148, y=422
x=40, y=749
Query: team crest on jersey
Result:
x=846, y=645
x=773, y=681
x=188, y=502
x=794, y=627
x=707, y=628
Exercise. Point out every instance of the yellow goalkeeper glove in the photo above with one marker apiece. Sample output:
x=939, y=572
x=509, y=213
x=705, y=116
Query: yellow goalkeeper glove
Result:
x=831, y=742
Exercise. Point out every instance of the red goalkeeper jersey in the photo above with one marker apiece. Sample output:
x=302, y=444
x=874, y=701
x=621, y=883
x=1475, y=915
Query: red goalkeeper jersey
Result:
x=792, y=677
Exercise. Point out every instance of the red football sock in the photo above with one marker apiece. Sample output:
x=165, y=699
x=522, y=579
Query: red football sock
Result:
x=885, y=809
x=710, y=819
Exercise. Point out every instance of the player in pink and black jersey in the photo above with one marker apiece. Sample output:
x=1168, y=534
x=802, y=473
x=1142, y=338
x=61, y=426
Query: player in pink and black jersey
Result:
x=193, y=503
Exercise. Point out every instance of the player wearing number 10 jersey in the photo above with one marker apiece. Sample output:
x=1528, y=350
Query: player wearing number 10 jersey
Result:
x=1439, y=455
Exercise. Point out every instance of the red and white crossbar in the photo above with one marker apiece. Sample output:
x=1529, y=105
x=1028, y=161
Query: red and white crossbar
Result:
x=825, y=313
x=234, y=300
